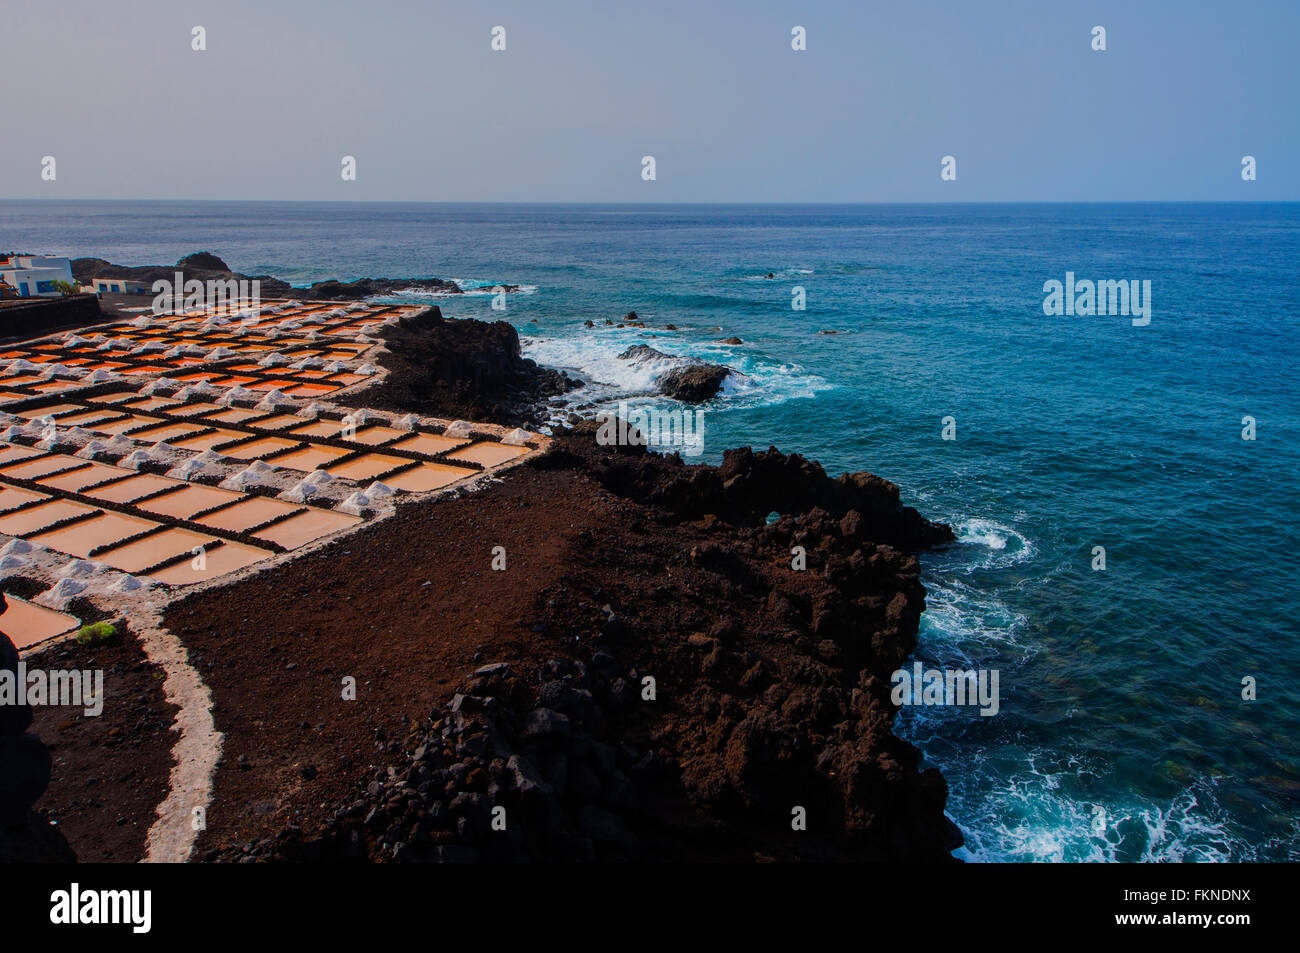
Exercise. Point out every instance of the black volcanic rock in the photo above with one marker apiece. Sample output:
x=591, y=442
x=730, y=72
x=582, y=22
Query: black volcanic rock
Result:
x=691, y=381
x=695, y=382
x=202, y=261
x=462, y=369
x=749, y=485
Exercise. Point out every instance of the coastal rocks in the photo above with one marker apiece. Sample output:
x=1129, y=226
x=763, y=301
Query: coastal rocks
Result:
x=462, y=368
x=749, y=485
x=687, y=380
x=694, y=383
x=706, y=688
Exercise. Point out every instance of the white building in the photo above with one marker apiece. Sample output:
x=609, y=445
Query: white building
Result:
x=125, y=286
x=34, y=275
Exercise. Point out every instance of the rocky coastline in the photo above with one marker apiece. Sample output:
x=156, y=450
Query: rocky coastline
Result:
x=678, y=688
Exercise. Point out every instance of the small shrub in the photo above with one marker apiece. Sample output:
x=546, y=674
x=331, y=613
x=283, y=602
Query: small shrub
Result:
x=96, y=632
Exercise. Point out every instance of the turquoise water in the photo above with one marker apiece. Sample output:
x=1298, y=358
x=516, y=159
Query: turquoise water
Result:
x=1122, y=734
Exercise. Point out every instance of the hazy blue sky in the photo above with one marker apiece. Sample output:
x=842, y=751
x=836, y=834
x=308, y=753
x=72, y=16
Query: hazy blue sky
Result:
x=710, y=88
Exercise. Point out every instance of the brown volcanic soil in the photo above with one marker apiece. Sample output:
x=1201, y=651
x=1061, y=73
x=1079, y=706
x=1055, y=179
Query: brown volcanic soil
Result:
x=109, y=772
x=773, y=683
x=403, y=607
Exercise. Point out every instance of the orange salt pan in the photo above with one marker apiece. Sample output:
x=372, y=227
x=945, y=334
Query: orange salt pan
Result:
x=218, y=561
x=299, y=530
x=487, y=453
x=143, y=553
x=102, y=530
x=27, y=623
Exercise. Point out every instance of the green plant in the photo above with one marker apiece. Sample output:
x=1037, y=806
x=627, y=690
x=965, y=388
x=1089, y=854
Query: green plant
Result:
x=96, y=632
x=66, y=288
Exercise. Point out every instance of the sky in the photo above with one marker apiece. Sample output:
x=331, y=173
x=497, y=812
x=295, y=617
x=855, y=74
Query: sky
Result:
x=711, y=89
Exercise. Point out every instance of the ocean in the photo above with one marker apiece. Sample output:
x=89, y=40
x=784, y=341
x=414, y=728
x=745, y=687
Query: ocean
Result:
x=1122, y=733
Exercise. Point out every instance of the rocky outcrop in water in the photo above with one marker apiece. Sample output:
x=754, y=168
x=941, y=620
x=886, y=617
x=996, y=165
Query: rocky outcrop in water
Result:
x=688, y=380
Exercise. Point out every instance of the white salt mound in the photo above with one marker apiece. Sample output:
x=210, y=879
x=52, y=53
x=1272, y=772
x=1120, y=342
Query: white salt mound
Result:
x=63, y=591
x=355, y=503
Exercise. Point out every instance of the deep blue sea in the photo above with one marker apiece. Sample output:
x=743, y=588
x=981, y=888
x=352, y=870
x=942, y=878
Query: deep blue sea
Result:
x=1122, y=733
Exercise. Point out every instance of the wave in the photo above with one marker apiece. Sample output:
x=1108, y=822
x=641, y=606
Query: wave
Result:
x=592, y=355
x=1029, y=815
x=991, y=545
x=468, y=288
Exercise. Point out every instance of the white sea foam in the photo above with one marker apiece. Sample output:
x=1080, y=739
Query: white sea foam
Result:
x=593, y=357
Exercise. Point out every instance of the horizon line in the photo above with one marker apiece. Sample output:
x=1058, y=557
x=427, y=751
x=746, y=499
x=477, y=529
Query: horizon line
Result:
x=261, y=201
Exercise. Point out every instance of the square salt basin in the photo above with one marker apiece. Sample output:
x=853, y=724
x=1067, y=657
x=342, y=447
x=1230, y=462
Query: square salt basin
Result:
x=188, y=500
x=311, y=390
x=77, y=480
x=80, y=539
x=313, y=457
x=150, y=403
x=143, y=553
x=166, y=432
x=377, y=435
x=112, y=398
x=37, y=518
x=427, y=443
x=9, y=452
x=277, y=422
x=319, y=428
x=27, y=623
x=53, y=410
x=427, y=476
x=208, y=440
x=119, y=426
x=367, y=466
x=11, y=496
x=132, y=489
x=259, y=447
x=87, y=418
x=302, y=529
x=39, y=468
x=254, y=511
x=233, y=415
x=217, y=562
x=488, y=453
x=191, y=410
